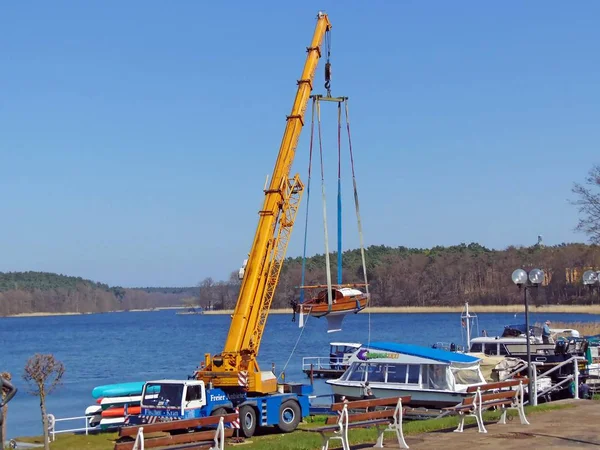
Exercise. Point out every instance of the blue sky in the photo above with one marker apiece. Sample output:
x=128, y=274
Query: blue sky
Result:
x=136, y=136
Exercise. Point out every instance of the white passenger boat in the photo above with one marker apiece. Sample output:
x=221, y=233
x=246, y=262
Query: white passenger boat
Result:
x=433, y=378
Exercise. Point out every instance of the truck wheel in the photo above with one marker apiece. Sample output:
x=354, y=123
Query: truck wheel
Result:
x=290, y=416
x=247, y=420
x=219, y=412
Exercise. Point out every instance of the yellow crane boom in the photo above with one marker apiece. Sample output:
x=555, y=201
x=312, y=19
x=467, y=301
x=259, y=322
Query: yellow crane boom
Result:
x=237, y=365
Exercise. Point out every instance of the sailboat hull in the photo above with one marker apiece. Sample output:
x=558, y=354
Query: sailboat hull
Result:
x=339, y=307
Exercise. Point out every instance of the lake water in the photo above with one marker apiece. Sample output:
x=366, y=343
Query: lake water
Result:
x=118, y=347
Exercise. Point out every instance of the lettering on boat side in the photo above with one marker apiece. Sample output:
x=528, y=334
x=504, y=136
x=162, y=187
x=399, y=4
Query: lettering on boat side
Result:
x=365, y=354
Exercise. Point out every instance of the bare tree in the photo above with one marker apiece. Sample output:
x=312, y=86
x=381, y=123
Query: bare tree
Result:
x=205, y=292
x=588, y=201
x=44, y=374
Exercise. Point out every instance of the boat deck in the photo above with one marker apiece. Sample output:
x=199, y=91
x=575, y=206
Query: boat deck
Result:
x=323, y=373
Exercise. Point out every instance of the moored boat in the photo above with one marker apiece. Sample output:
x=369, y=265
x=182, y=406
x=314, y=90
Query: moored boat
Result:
x=333, y=365
x=433, y=378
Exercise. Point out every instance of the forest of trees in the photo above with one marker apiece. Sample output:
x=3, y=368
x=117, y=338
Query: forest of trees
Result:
x=33, y=292
x=440, y=276
x=398, y=276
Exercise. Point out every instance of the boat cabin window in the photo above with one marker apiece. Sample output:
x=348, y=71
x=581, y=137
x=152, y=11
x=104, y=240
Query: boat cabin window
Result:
x=376, y=373
x=357, y=372
x=491, y=349
x=476, y=348
x=434, y=376
x=403, y=373
x=467, y=375
x=340, y=350
x=396, y=373
x=413, y=374
x=503, y=350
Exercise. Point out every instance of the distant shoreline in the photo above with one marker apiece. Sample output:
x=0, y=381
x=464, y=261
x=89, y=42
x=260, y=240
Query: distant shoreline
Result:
x=549, y=309
x=72, y=313
x=573, y=309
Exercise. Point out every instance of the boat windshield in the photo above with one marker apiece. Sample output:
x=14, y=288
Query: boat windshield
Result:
x=356, y=372
x=341, y=350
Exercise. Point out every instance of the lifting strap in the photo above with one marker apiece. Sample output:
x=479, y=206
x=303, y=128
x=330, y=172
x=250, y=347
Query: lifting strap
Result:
x=339, y=197
x=359, y=222
x=356, y=204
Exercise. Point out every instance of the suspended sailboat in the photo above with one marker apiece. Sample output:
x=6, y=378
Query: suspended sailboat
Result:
x=345, y=300
x=331, y=301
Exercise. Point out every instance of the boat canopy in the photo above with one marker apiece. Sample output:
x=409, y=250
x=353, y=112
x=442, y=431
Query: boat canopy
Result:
x=345, y=344
x=412, y=354
x=425, y=352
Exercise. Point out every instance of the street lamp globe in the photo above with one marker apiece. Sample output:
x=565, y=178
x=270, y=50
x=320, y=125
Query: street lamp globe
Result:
x=590, y=277
x=519, y=277
x=536, y=276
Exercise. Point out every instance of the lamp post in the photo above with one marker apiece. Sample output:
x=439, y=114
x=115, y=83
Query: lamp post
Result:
x=526, y=281
x=591, y=278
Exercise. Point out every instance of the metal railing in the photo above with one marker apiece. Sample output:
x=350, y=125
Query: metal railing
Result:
x=574, y=377
x=52, y=425
x=534, y=378
x=323, y=363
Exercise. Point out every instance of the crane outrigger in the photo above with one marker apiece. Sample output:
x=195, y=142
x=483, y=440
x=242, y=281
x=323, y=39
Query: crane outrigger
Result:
x=232, y=379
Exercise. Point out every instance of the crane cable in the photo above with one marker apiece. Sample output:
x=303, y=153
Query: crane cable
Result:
x=295, y=345
x=324, y=199
x=310, y=153
x=357, y=207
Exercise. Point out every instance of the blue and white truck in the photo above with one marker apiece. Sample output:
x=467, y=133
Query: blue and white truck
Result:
x=167, y=400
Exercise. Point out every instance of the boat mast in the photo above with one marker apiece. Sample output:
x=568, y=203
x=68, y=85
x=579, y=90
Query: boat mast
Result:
x=466, y=322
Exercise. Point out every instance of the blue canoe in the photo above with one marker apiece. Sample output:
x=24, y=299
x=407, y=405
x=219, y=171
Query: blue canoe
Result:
x=118, y=389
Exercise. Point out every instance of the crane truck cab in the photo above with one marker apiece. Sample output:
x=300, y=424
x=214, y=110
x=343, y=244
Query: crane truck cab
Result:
x=168, y=400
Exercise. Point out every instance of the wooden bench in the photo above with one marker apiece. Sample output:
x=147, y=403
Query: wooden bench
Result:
x=177, y=435
x=505, y=395
x=383, y=413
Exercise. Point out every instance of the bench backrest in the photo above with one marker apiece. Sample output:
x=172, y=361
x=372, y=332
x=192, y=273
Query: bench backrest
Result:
x=498, y=385
x=178, y=424
x=388, y=413
x=370, y=403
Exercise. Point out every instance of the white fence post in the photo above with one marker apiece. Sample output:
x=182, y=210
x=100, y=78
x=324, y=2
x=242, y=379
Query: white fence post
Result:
x=576, y=380
x=51, y=423
x=533, y=395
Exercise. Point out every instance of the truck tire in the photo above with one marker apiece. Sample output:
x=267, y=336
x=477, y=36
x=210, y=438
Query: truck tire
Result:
x=247, y=420
x=219, y=412
x=290, y=416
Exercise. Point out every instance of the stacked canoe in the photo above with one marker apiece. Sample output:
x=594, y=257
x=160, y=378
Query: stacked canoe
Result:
x=114, y=402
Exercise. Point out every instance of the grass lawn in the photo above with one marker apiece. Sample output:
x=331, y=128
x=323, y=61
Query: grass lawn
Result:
x=298, y=440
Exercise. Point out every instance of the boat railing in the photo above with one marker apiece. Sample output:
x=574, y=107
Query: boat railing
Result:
x=573, y=377
x=449, y=347
x=53, y=420
x=323, y=362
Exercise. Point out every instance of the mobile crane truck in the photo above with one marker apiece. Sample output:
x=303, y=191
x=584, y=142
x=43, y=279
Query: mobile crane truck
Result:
x=232, y=380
